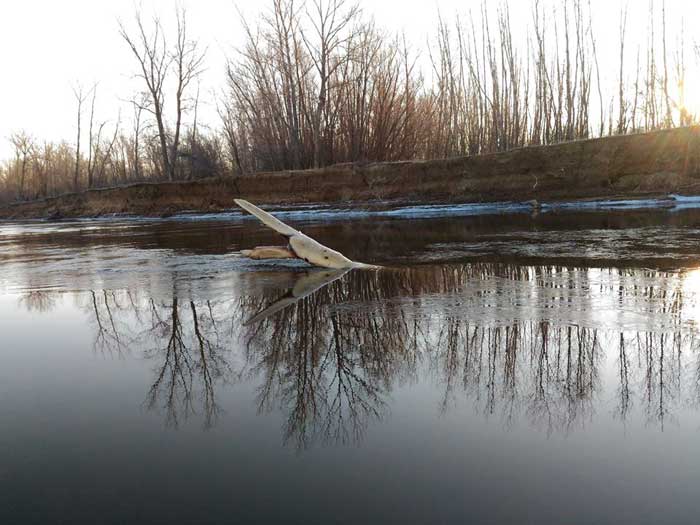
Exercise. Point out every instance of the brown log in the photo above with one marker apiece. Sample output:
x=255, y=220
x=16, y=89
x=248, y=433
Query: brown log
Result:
x=269, y=252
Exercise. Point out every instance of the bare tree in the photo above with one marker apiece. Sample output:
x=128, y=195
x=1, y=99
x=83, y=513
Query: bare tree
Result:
x=43, y=168
x=24, y=146
x=622, y=103
x=330, y=20
x=668, y=120
x=138, y=103
x=156, y=61
x=106, y=156
x=80, y=96
x=90, y=163
x=189, y=61
x=230, y=127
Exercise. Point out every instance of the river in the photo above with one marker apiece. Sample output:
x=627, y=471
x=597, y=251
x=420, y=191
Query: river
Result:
x=503, y=367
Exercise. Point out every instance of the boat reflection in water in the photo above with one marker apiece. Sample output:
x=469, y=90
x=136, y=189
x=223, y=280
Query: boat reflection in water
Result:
x=551, y=346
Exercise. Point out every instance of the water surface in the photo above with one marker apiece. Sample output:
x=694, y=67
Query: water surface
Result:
x=503, y=368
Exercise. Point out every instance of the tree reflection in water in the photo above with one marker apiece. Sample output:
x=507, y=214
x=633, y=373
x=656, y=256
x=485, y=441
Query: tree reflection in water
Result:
x=517, y=341
x=38, y=300
x=191, y=359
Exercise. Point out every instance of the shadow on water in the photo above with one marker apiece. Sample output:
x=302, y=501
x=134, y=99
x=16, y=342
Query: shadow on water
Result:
x=550, y=346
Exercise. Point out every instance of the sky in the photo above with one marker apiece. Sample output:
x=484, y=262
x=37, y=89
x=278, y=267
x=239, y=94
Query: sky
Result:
x=47, y=47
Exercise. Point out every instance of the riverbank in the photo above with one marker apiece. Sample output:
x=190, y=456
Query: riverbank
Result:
x=627, y=167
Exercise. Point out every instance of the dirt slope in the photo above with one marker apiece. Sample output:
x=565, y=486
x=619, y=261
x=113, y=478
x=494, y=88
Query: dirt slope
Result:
x=625, y=166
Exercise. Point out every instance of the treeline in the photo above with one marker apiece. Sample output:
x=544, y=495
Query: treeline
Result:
x=42, y=169
x=319, y=83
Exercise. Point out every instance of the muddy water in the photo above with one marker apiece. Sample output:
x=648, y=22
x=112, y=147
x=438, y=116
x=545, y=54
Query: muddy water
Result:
x=503, y=368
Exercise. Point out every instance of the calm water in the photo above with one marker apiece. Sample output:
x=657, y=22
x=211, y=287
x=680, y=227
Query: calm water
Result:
x=503, y=369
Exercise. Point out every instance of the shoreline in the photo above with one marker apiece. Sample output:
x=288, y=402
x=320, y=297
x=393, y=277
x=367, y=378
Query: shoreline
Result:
x=405, y=210
x=626, y=167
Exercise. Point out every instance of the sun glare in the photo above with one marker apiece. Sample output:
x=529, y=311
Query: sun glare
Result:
x=691, y=295
x=691, y=93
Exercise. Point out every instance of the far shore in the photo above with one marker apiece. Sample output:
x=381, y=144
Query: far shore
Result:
x=648, y=165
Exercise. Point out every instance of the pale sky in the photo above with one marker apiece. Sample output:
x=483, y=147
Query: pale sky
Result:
x=46, y=46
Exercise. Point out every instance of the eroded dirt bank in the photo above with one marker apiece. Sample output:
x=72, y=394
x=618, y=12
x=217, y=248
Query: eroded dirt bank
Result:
x=629, y=166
